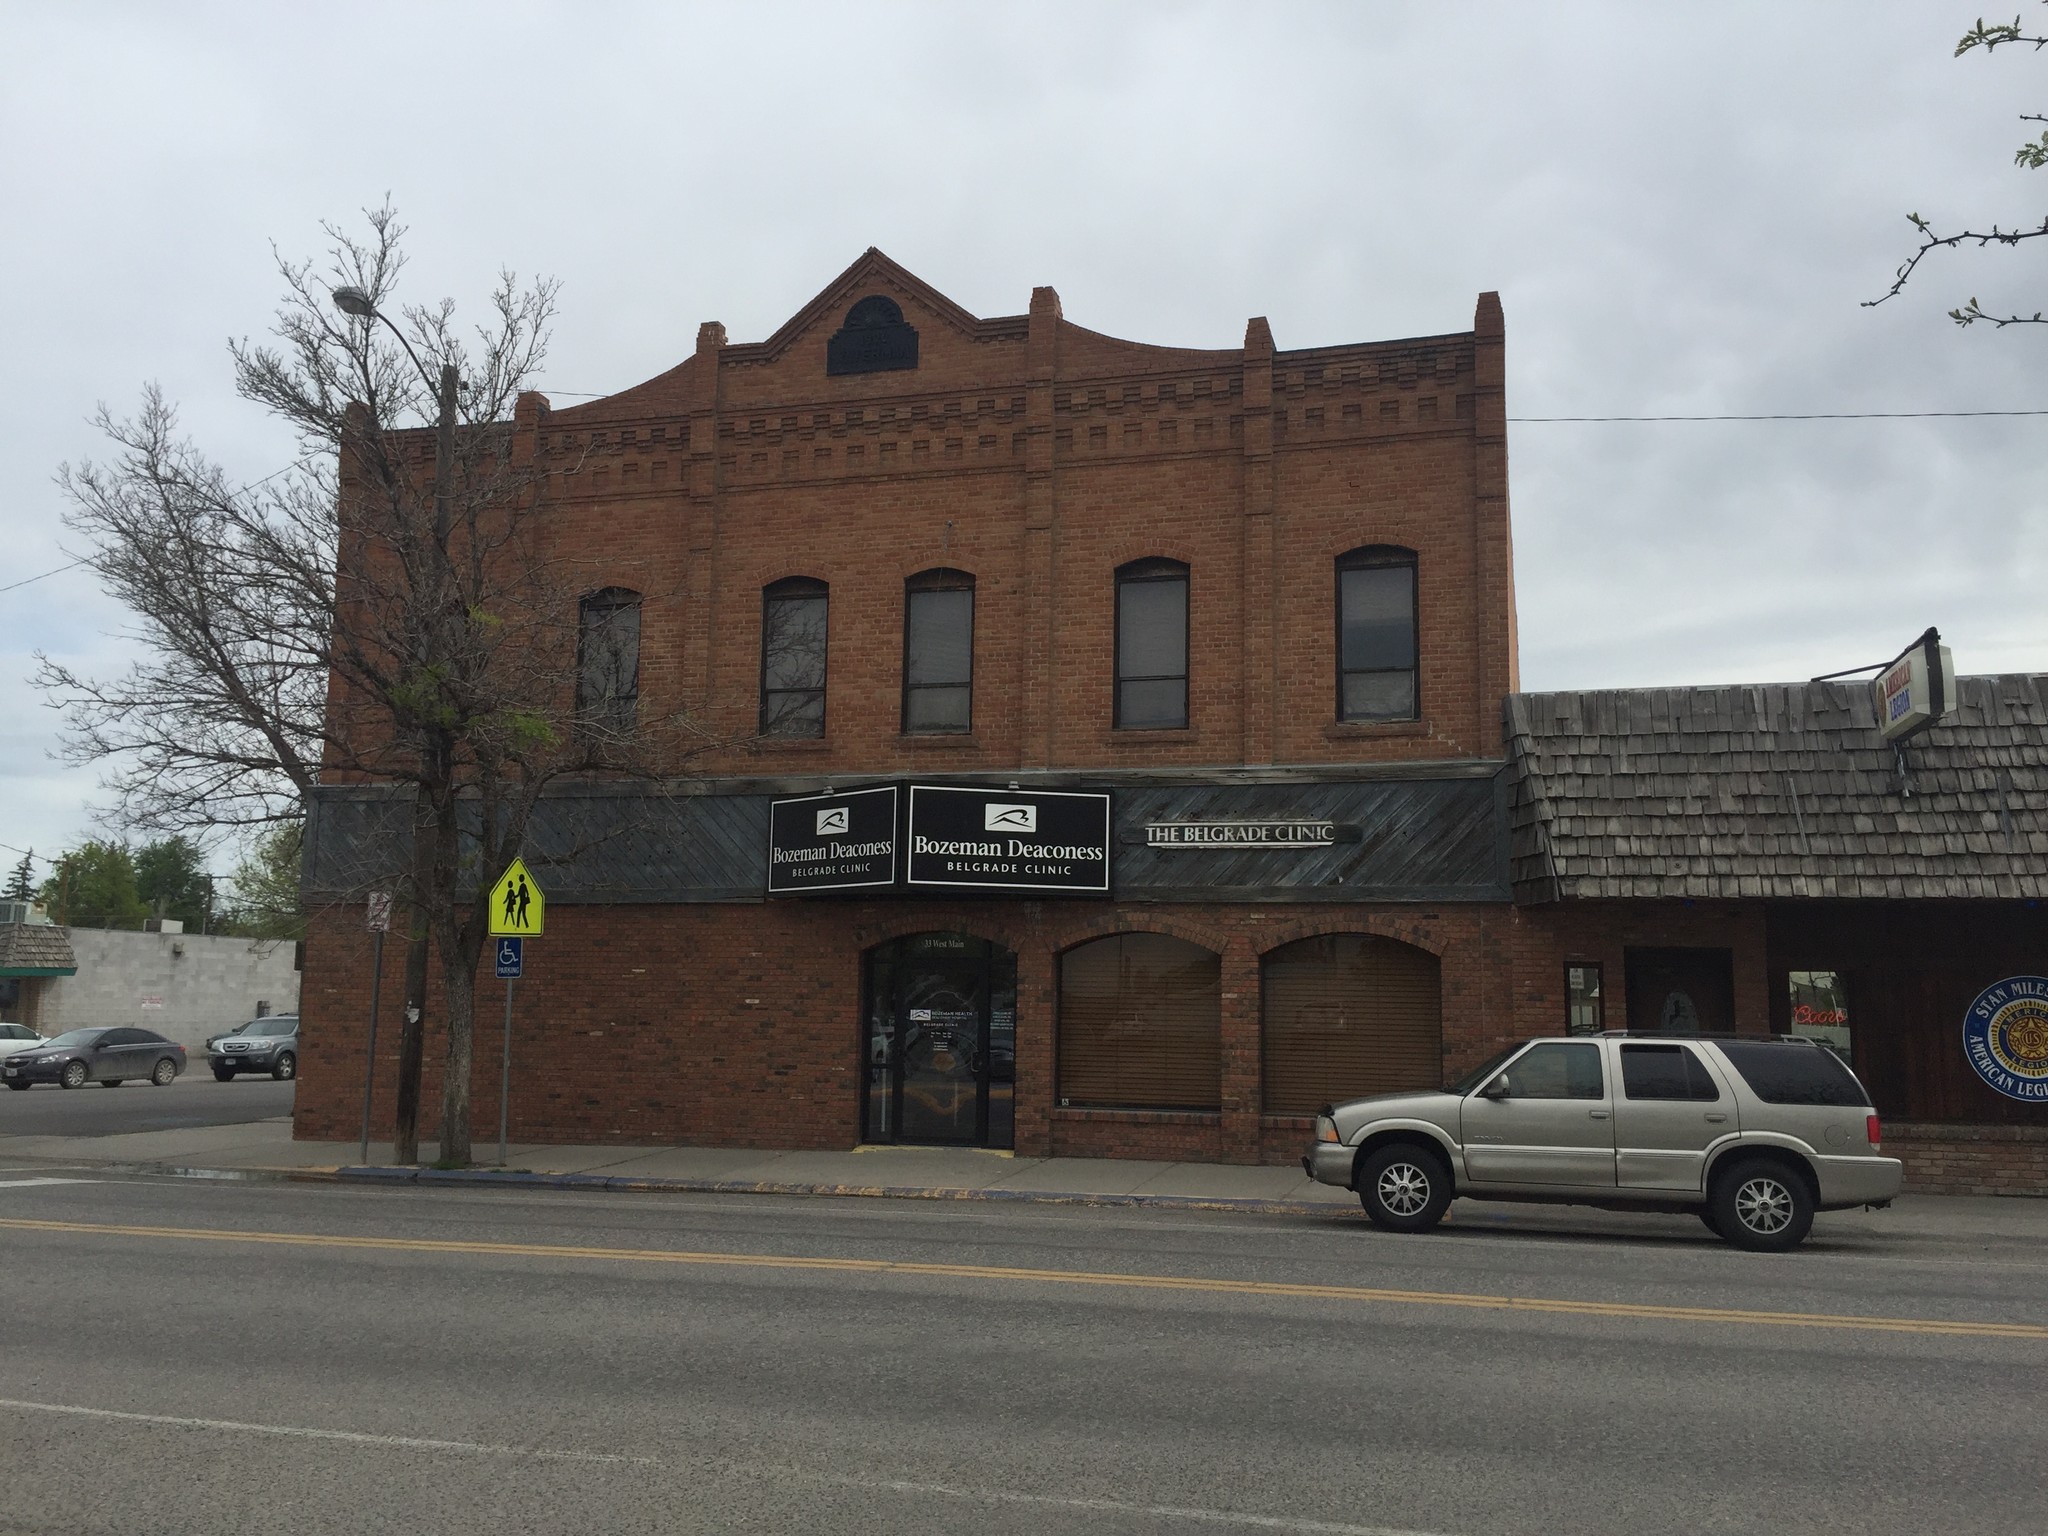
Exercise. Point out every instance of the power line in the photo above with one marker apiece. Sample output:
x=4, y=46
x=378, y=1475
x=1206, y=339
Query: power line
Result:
x=1794, y=416
x=44, y=577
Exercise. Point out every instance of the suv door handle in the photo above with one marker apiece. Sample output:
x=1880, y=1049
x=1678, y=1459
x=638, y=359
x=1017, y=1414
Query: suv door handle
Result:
x=1597, y=1114
x=1715, y=1119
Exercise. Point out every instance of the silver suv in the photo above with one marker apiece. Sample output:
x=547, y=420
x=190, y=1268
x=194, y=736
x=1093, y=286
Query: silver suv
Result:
x=1752, y=1134
x=269, y=1044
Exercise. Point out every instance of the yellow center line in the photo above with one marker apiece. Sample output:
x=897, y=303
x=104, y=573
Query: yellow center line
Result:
x=1189, y=1283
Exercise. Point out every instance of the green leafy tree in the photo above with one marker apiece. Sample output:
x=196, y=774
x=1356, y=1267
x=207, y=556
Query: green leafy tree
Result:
x=2031, y=155
x=20, y=884
x=94, y=887
x=265, y=893
x=171, y=879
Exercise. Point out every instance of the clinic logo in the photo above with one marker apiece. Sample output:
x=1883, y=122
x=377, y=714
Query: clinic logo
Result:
x=2005, y=1037
x=832, y=821
x=1009, y=818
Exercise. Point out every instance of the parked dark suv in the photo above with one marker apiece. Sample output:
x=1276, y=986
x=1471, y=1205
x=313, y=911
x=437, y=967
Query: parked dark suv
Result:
x=261, y=1045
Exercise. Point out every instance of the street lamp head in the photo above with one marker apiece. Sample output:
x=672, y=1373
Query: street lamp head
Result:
x=351, y=300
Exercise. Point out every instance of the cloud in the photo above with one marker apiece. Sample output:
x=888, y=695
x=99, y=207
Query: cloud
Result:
x=1682, y=208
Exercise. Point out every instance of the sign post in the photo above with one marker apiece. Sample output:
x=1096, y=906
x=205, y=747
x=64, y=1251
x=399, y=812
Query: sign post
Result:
x=379, y=917
x=518, y=911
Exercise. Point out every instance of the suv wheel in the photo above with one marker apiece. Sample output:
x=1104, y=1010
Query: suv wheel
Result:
x=223, y=1074
x=287, y=1067
x=1762, y=1205
x=1404, y=1188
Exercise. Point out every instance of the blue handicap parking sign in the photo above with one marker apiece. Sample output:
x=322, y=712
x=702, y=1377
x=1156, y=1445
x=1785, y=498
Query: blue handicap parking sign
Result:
x=511, y=955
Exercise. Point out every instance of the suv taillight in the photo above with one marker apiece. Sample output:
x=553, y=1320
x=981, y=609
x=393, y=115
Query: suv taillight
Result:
x=1872, y=1130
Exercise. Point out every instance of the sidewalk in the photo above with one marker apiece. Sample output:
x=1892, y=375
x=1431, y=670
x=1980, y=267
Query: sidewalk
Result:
x=1984, y=1225
x=266, y=1148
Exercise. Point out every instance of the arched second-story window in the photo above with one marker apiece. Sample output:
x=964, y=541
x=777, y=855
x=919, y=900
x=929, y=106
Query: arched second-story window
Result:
x=1376, y=635
x=793, y=634
x=608, y=662
x=938, y=653
x=1152, y=646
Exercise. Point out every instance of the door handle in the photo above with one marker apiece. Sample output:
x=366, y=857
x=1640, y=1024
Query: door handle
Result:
x=1715, y=1119
x=1597, y=1114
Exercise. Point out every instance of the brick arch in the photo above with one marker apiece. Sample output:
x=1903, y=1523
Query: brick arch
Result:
x=1215, y=940
x=780, y=573
x=1148, y=545
x=1374, y=924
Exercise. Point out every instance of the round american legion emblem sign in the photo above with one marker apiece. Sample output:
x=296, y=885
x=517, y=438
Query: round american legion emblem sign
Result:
x=2005, y=1035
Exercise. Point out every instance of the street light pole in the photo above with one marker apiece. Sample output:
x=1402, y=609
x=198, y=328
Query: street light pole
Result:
x=412, y=1031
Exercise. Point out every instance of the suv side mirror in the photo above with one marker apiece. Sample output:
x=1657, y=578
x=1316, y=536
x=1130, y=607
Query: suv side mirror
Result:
x=1497, y=1089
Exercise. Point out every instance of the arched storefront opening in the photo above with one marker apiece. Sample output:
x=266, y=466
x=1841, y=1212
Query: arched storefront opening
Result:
x=1344, y=1015
x=939, y=1051
x=1141, y=1024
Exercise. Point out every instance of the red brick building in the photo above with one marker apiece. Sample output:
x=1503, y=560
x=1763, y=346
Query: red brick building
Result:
x=1118, y=762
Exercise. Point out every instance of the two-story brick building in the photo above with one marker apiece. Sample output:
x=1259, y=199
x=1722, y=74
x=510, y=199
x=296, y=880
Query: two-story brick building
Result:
x=1122, y=756
x=1251, y=610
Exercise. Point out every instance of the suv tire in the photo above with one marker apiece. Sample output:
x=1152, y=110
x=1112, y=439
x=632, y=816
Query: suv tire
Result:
x=1404, y=1187
x=1761, y=1204
x=223, y=1074
x=287, y=1067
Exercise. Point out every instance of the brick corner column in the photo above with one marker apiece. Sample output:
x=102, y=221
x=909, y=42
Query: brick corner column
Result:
x=1037, y=1011
x=1256, y=617
x=1497, y=665
x=1243, y=1092
x=1039, y=680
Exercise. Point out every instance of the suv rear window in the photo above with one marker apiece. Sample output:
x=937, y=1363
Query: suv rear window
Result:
x=1794, y=1074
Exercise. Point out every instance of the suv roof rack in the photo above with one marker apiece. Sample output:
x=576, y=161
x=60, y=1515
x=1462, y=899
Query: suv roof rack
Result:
x=1650, y=1034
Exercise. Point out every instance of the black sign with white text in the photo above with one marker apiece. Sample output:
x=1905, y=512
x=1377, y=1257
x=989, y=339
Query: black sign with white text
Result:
x=837, y=842
x=1046, y=841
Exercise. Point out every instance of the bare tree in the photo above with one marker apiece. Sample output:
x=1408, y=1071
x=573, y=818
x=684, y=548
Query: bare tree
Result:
x=2031, y=155
x=386, y=609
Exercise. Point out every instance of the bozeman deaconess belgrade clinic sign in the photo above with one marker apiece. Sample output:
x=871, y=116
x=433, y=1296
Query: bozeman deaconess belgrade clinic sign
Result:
x=836, y=842
x=1038, y=842
x=1043, y=841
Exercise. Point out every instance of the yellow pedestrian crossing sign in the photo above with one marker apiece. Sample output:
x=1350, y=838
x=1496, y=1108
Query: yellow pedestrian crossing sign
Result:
x=518, y=909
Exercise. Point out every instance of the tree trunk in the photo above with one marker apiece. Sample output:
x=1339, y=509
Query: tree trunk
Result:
x=412, y=1036
x=458, y=974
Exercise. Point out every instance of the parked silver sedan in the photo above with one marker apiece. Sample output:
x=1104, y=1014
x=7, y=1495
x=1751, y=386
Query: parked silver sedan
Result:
x=1753, y=1135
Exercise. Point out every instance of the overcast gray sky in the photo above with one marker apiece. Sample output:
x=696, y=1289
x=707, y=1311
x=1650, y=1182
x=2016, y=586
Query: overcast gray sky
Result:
x=1681, y=207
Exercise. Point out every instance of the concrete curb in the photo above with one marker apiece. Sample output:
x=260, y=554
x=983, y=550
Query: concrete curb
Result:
x=629, y=1184
x=626, y=1184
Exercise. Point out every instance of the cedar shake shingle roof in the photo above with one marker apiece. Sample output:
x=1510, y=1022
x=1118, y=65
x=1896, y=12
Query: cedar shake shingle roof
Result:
x=1776, y=790
x=34, y=948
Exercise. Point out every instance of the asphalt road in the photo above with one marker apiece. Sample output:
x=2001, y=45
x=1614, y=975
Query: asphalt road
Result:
x=194, y=1099
x=481, y=1361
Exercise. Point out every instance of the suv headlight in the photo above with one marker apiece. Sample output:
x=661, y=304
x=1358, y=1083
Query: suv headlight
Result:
x=1326, y=1129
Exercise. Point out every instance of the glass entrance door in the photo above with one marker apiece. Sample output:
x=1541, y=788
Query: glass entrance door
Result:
x=941, y=1041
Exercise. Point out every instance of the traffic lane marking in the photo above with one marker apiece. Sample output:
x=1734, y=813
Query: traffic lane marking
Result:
x=1641, y=1311
x=30, y=1183
x=1193, y=1513
x=353, y=1437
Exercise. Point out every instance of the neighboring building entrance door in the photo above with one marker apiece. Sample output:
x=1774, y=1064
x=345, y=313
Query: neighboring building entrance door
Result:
x=940, y=1051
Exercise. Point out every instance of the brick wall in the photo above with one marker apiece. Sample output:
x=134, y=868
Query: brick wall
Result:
x=1970, y=1159
x=741, y=1026
x=1038, y=455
